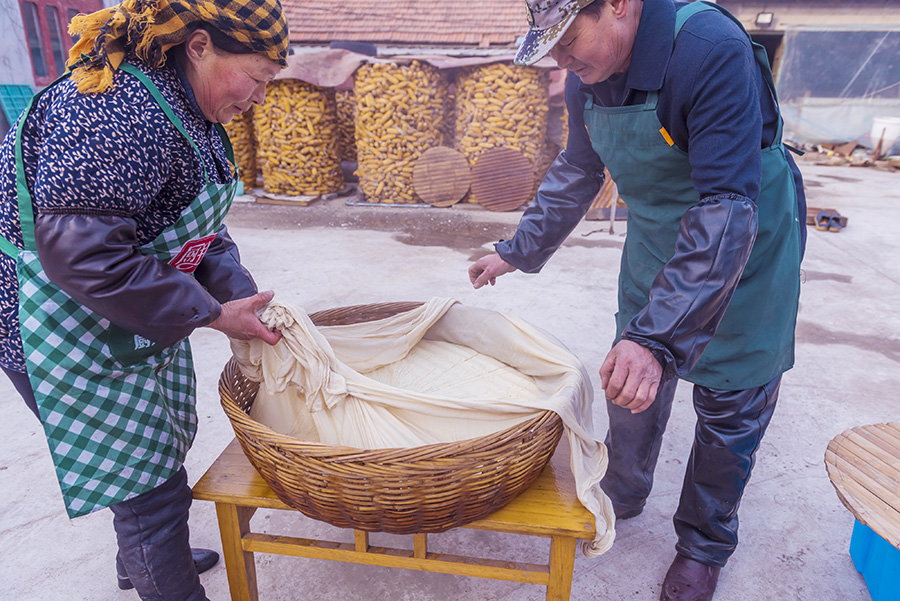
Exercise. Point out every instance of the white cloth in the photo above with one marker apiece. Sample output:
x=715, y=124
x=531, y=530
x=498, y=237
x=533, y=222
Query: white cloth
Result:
x=442, y=372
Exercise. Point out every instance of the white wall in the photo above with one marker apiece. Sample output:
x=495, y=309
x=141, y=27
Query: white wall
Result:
x=15, y=64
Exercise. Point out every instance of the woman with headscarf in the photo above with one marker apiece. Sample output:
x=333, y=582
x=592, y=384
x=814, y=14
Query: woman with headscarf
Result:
x=114, y=185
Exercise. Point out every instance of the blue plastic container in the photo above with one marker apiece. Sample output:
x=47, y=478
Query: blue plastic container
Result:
x=13, y=100
x=878, y=561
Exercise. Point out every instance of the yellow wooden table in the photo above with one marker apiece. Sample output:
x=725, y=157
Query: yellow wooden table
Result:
x=549, y=509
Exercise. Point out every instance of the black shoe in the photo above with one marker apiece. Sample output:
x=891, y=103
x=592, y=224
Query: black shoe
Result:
x=204, y=559
x=689, y=580
x=124, y=582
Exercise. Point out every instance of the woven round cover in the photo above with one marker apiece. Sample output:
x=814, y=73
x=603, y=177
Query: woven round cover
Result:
x=441, y=176
x=424, y=489
x=863, y=464
x=502, y=179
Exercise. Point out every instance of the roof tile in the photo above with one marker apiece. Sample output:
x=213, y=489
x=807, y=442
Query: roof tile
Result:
x=497, y=22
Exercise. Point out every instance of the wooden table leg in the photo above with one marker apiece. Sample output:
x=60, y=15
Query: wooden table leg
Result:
x=234, y=523
x=420, y=545
x=562, y=563
x=361, y=540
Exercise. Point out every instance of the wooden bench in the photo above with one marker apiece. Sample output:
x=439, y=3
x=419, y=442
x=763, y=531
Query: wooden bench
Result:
x=549, y=509
x=863, y=464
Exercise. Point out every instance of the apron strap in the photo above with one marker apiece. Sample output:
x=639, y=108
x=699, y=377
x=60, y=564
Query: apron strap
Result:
x=686, y=12
x=229, y=150
x=796, y=151
x=8, y=248
x=23, y=194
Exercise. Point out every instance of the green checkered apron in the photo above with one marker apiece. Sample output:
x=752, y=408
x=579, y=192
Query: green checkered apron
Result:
x=117, y=409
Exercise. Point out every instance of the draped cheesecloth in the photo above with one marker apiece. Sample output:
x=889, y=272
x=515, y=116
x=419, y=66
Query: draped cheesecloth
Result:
x=442, y=372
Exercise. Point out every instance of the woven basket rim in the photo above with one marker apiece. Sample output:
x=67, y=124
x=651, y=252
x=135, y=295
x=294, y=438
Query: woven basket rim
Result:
x=235, y=413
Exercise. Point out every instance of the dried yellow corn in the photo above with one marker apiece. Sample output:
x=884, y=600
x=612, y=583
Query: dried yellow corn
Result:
x=401, y=113
x=449, y=129
x=346, y=124
x=243, y=140
x=501, y=105
x=296, y=132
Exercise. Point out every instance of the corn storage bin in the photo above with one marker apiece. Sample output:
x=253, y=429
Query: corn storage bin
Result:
x=296, y=132
x=401, y=113
x=501, y=105
x=243, y=140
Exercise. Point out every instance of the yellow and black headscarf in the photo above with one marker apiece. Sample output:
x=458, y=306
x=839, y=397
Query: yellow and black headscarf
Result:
x=148, y=28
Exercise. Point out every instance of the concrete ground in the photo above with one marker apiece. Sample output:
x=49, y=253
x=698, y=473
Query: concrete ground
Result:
x=794, y=531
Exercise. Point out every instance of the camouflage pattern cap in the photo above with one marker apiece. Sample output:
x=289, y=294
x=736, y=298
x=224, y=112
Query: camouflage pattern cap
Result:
x=547, y=20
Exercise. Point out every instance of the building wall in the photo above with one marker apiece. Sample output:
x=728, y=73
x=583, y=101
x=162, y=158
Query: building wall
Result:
x=832, y=62
x=15, y=65
x=15, y=59
x=786, y=14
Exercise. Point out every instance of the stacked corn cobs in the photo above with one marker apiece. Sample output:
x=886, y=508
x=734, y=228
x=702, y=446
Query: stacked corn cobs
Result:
x=243, y=140
x=501, y=105
x=296, y=130
x=552, y=149
x=346, y=122
x=401, y=113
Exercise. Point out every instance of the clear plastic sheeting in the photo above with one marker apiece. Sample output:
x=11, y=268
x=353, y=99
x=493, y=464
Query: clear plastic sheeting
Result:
x=833, y=84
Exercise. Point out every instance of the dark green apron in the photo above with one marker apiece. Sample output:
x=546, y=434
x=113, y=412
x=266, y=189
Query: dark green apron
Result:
x=755, y=340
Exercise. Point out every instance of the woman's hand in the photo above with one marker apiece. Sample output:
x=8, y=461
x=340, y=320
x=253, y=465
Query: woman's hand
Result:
x=239, y=320
x=487, y=269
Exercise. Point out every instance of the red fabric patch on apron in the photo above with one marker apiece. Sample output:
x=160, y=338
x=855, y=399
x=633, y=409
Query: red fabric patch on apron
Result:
x=190, y=255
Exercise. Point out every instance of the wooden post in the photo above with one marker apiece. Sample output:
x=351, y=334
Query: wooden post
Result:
x=562, y=563
x=234, y=523
x=420, y=545
x=361, y=540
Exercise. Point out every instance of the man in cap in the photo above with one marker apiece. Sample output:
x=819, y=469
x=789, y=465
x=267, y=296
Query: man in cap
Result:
x=679, y=105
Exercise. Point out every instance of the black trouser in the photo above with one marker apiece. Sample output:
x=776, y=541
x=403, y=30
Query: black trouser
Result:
x=23, y=387
x=730, y=426
x=152, y=530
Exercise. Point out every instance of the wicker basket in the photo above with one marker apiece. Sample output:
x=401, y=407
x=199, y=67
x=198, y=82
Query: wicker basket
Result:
x=423, y=489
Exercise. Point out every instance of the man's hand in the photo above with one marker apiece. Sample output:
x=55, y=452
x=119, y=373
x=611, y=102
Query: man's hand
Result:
x=487, y=269
x=630, y=376
x=239, y=320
